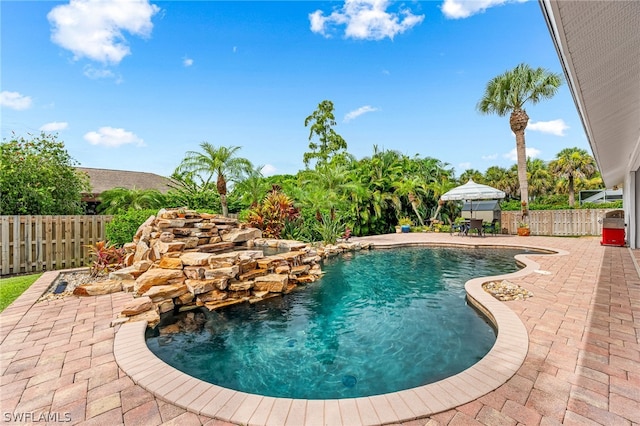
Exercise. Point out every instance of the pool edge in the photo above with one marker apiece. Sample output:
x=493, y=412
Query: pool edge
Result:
x=492, y=371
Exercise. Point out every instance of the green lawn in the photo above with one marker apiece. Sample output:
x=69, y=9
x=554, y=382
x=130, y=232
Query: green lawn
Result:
x=11, y=288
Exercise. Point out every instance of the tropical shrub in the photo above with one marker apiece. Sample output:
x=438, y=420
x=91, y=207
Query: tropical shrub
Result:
x=271, y=215
x=295, y=229
x=106, y=257
x=124, y=225
x=330, y=228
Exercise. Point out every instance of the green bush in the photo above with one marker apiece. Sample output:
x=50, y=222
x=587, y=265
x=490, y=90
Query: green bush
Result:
x=123, y=226
x=37, y=177
x=330, y=229
x=611, y=205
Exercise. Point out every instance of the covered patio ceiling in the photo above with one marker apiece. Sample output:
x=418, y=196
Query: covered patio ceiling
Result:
x=598, y=43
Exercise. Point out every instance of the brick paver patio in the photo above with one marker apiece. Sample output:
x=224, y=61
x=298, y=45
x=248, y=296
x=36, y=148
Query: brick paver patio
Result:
x=582, y=364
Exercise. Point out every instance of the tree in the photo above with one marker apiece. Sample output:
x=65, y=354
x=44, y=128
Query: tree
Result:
x=472, y=174
x=329, y=143
x=540, y=180
x=37, y=177
x=507, y=94
x=219, y=162
x=503, y=179
x=439, y=188
x=253, y=189
x=573, y=164
x=119, y=200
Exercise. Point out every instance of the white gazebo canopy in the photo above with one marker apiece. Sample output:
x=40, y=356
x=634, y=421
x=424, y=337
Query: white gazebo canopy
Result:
x=473, y=191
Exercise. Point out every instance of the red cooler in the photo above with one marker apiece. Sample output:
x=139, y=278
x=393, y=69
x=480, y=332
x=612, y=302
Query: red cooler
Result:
x=613, y=229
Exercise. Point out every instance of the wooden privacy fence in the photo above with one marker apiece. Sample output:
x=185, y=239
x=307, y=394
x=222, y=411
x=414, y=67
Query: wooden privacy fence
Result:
x=557, y=222
x=44, y=243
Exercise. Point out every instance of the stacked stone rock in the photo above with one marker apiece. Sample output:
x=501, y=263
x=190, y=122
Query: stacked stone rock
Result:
x=186, y=263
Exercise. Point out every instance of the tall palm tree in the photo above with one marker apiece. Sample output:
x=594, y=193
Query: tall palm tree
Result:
x=507, y=94
x=573, y=164
x=220, y=162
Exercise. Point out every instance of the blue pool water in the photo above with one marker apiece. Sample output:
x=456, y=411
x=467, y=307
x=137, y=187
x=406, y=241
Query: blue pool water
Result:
x=379, y=321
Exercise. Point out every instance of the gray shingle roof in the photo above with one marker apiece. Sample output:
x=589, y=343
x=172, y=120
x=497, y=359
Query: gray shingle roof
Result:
x=104, y=179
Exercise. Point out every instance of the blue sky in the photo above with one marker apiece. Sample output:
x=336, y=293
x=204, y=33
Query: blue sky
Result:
x=134, y=84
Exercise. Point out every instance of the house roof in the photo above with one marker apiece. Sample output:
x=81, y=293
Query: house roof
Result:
x=105, y=179
x=598, y=46
x=482, y=206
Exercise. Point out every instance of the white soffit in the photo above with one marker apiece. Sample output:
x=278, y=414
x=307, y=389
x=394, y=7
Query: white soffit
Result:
x=598, y=43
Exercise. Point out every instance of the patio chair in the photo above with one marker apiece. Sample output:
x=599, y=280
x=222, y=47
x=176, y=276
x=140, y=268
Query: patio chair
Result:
x=475, y=224
x=460, y=228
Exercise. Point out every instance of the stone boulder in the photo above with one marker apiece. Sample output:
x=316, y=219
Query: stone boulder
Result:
x=211, y=296
x=142, y=251
x=203, y=286
x=131, y=272
x=154, y=277
x=237, y=235
x=230, y=272
x=99, y=288
x=137, y=306
x=195, y=259
x=164, y=306
x=274, y=283
x=170, y=263
x=159, y=293
x=151, y=316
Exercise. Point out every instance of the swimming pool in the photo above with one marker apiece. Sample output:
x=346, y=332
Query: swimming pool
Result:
x=378, y=322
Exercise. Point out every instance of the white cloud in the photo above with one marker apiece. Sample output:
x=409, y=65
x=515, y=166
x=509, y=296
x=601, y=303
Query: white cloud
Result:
x=365, y=20
x=15, y=100
x=531, y=153
x=112, y=137
x=94, y=28
x=554, y=127
x=97, y=73
x=358, y=112
x=456, y=9
x=54, y=126
x=235, y=49
x=489, y=157
x=187, y=62
x=464, y=166
x=268, y=170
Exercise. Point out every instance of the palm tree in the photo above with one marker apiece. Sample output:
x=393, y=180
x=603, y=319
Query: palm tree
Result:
x=115, y=200
x=540, y=180
x=573, y=164
x=220, y=162
x=254, y=188
x=439, y=188
x=413, y=187
x=503, y=179
x=472, y=174
x=507, y=94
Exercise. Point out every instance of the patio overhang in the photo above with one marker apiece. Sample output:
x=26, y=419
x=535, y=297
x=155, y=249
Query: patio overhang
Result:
x=598, y=44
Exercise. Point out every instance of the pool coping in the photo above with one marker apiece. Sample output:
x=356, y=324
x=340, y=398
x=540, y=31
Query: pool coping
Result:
x=493, y=370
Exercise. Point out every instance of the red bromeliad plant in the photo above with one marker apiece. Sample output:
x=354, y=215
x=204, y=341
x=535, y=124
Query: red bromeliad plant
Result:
x=105, y=258
x=270, y=216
